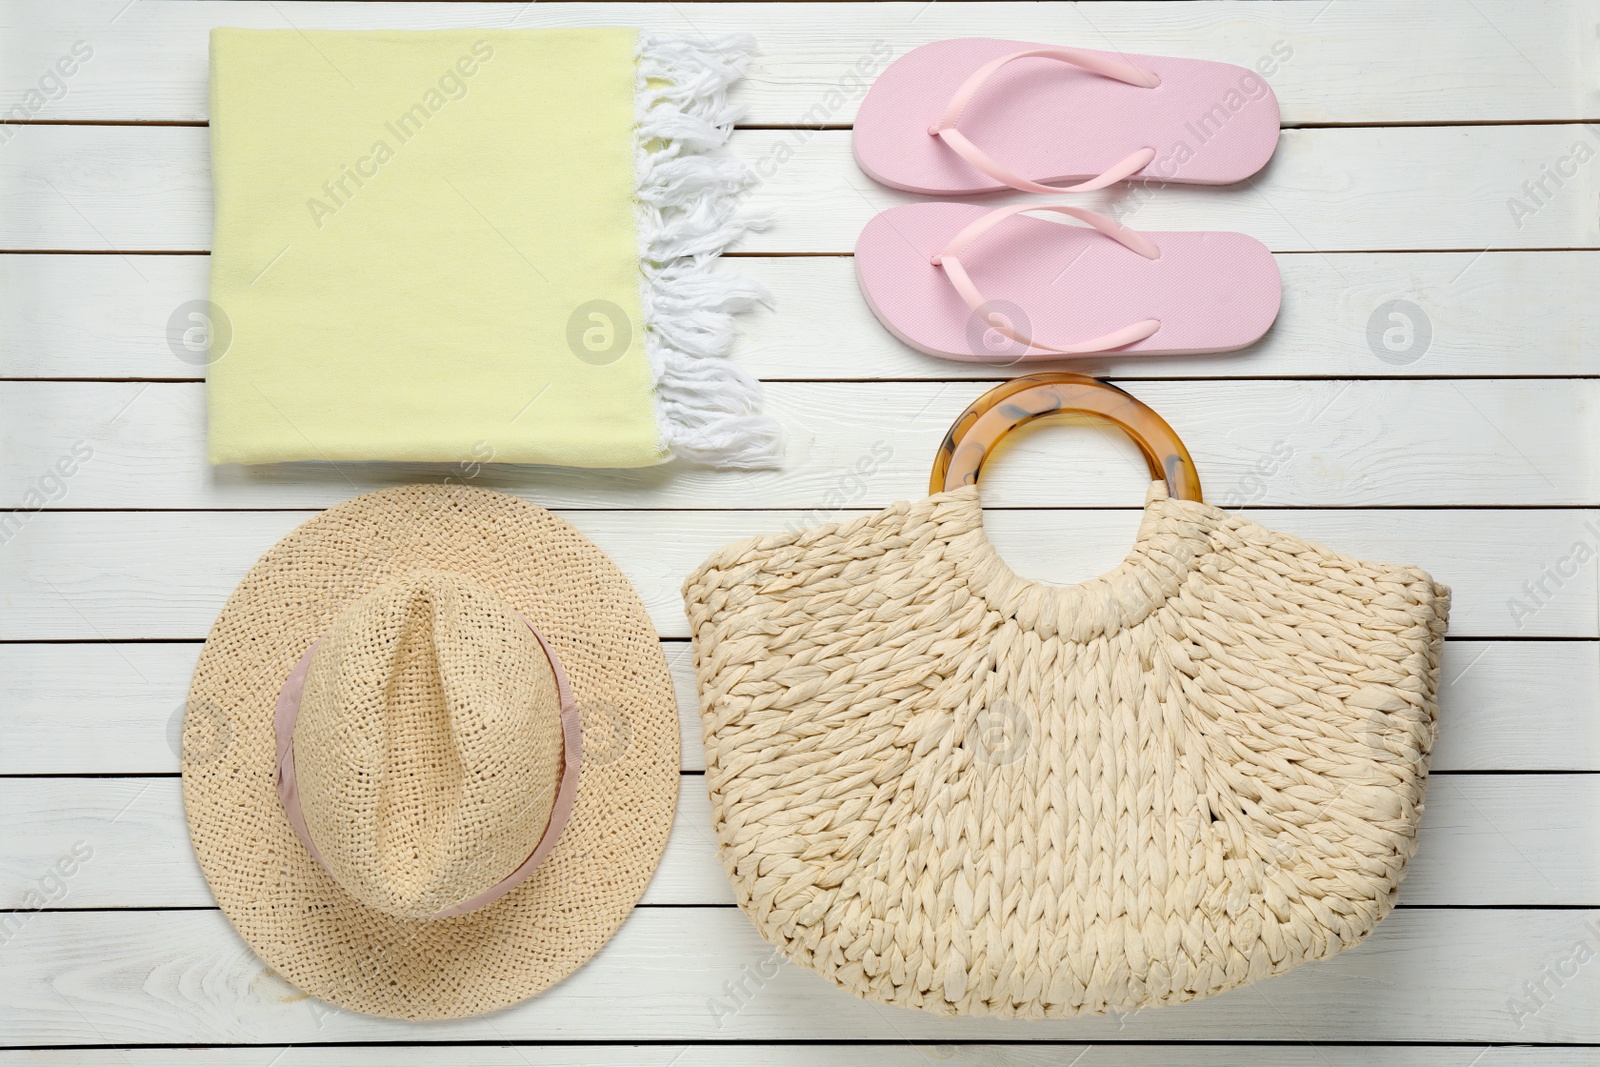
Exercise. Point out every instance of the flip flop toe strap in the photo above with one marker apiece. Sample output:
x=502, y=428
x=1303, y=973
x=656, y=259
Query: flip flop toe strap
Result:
x=950, y=261
x=1106, y=66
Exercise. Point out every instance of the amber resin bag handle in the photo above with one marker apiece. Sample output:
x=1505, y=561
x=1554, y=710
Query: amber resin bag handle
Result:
x=977, y=430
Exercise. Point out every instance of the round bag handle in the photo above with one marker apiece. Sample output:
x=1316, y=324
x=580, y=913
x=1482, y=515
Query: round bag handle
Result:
x=973, y=436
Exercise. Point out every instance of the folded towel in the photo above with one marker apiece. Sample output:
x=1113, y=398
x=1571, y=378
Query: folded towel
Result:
x=474, y=245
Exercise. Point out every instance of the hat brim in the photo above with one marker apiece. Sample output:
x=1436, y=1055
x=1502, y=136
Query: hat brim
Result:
x=289, y=909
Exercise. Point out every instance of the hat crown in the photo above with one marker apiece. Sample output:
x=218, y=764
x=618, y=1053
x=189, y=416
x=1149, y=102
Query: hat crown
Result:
x=428, y=746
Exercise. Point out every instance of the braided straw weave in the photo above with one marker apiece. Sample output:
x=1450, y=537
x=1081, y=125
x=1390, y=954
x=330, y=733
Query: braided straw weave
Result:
x=428, y=745
x=948, y=788
x=434, y=575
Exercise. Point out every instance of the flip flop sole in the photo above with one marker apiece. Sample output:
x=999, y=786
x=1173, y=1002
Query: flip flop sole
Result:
x=1209, y=123
x=1212, y=292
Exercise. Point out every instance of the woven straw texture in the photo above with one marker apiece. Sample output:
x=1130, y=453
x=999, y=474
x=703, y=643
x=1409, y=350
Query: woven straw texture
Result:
x=289, y=910
x=428, y=746
x=947, y=788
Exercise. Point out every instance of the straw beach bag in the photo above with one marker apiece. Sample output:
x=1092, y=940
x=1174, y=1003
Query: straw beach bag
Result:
x=949, y=788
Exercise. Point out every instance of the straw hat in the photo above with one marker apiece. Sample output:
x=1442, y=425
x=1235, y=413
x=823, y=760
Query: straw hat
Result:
x=381, y=762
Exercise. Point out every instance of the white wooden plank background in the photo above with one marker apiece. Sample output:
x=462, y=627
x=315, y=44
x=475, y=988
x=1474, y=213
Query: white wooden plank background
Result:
x=1355, y=62
x=114, y=708
x=96, y=316
x=1411, y=125
x=147, y=188
x=1042, y=1054
x=132, y=575
x=149, y=977
x=1488, y=840
x=1329, y=444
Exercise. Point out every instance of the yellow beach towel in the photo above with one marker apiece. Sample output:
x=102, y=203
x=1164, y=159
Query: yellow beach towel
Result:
x=476, y=245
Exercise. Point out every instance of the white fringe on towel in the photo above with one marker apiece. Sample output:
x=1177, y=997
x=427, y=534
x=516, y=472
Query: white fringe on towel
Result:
x=689, y=187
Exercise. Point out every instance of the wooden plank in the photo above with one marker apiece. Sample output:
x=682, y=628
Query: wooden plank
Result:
x=93, y=316
x=894, y=1054
x=82, y=316
x=1397, y=188
x=117, y=708
x=1523, y=840
x=139, y=575
x=1511, y=837
x=133, y=844
x=1471, y=318
x=1347, y=63
x=670, y=973
x=129, y=188
x=1492, y=690
x=1256, y=443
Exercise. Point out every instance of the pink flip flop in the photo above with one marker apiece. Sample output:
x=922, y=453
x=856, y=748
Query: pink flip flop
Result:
x=975, y=115
x=967, y=283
